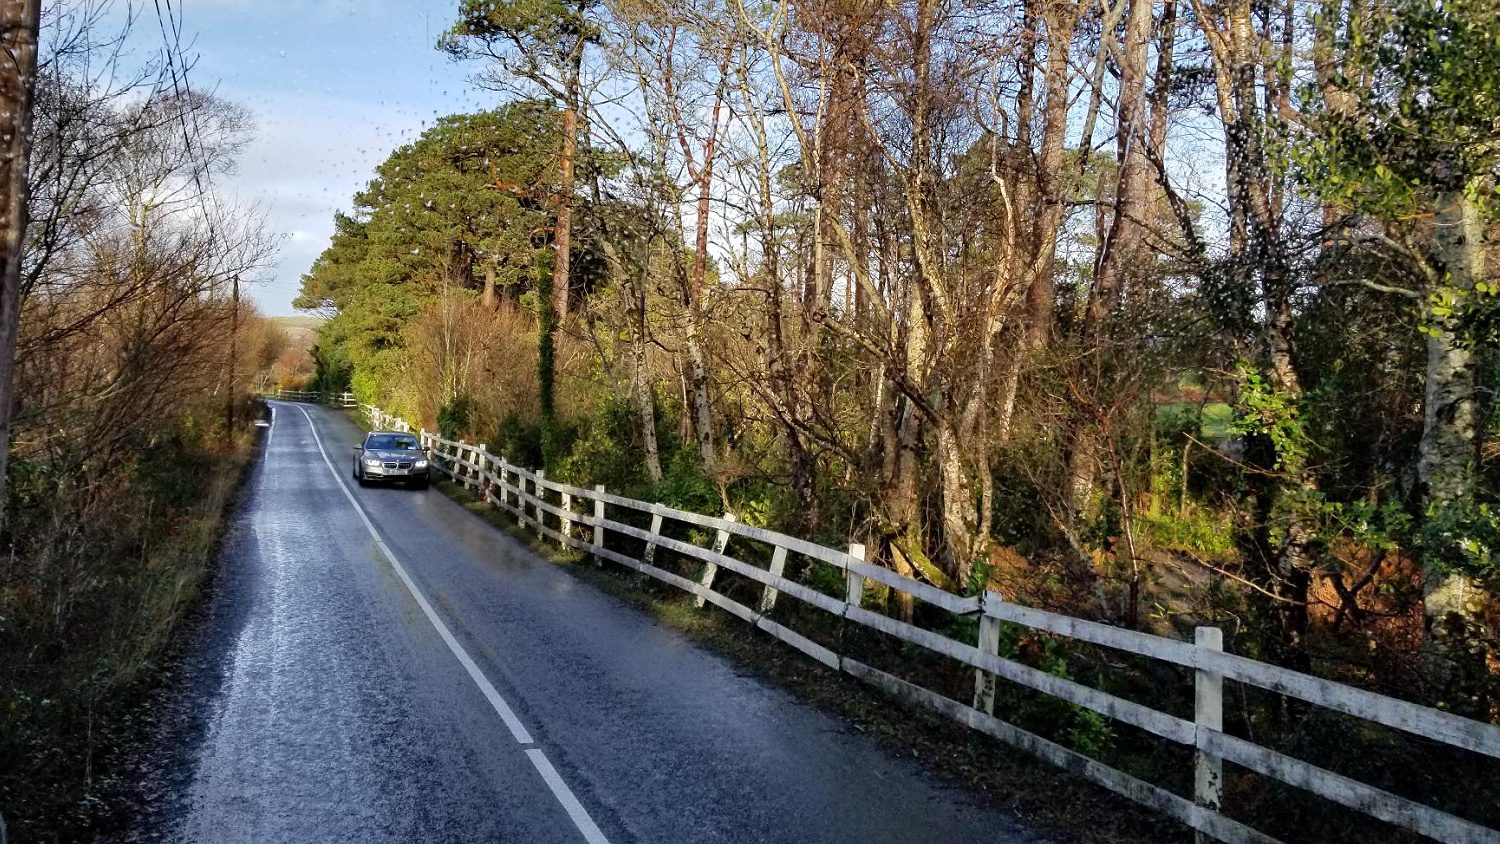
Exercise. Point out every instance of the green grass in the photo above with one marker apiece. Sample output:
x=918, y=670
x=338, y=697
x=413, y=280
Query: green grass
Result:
x=1218, y=418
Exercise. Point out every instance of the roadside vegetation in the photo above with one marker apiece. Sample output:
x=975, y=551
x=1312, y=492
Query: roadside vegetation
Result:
x=1157, y=313
x=132, y=419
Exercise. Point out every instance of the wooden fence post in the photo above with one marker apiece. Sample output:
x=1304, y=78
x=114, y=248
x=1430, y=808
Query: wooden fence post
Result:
x=856, y=582
x=598, y=525
x=711, y=570
x=478, y=455
x=649, y=556
x=984, y=681
x=778, y=565
x=504, y=482
x=567, y=521
x=1208, y=714
x=536, y=491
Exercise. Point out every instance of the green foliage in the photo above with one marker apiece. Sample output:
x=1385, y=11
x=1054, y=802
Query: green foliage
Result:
x=1424, y=78
x=607, y=451
x=685, y=486
x=465, y=200
x=538, y=40
x=519, y=440
x=979, y=577
x=1463, y=536
x=1082, y=729
x=1173, y=421
x=1266, y=411
x=453, y=417
x=1203, y=533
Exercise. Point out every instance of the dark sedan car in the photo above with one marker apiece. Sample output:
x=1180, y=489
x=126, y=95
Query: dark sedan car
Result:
x=391, y=456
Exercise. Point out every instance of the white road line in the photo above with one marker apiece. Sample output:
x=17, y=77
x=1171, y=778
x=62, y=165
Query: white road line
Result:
x=565, y=796
x=560, y=790
x=501, y=707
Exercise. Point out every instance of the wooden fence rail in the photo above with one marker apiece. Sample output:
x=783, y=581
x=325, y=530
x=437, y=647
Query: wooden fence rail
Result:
x=332, y=399
x=525, y=494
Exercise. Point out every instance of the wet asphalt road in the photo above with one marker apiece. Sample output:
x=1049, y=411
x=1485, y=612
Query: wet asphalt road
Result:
x=323, y=703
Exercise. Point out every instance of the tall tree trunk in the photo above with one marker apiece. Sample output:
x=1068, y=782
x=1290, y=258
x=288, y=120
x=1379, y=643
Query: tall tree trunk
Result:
x=19, y=20
x=899, y=505
x=1123, y=254
x=645, y=399
x=933, y=309
x=959, y=509
x=1046, y=187
x=632, y=287
x=697, y=367
x=787, y=404
x=563, y=241
x=1460, y=376
x=1161, y=94
x=1123, y=258
x=490, y=299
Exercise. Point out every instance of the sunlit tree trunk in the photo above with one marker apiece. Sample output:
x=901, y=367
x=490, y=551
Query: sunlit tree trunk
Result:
x=563, y=239
x=697, y=366
x=490, y=298
x=645, y=399
x=1460, y=379
x=19, y=20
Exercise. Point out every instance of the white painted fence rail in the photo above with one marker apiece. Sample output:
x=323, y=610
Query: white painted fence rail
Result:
x=333, y=399
x=524, y=494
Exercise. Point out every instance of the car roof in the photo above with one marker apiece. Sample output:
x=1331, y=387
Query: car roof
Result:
x=390, y=434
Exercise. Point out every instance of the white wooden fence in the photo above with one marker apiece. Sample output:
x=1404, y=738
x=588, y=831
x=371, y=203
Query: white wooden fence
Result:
x=332, y=399
x=551, y=509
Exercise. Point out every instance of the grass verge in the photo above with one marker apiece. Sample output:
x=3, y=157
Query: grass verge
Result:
x=92, y=600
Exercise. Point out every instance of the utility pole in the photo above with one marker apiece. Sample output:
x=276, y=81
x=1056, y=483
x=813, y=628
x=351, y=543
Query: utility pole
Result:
x=19, y=22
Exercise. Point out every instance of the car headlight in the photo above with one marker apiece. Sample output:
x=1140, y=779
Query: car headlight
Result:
x=420, y=464
x=371, y=461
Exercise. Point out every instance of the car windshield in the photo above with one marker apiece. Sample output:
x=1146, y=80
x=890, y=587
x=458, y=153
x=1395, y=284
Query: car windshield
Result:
x=392, y=442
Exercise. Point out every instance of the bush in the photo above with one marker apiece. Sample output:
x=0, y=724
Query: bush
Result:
x=101, y=575
x=608, y=450
x=453, y=417
x=519, y=440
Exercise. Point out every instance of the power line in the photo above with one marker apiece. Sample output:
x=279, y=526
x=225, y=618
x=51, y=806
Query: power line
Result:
x=177, y=68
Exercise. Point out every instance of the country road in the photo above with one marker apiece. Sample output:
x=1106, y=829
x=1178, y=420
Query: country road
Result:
x=381, y=665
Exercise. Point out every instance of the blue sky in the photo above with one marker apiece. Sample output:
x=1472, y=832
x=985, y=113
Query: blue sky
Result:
x=334, y=85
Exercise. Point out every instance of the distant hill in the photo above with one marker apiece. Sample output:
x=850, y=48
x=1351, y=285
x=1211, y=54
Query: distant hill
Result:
x=302, y=330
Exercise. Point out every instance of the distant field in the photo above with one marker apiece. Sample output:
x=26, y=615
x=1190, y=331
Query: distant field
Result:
x=303, y=330
x=1218, y=418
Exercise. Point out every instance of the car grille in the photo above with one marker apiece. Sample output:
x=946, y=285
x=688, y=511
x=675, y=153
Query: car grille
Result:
x=399, y=464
